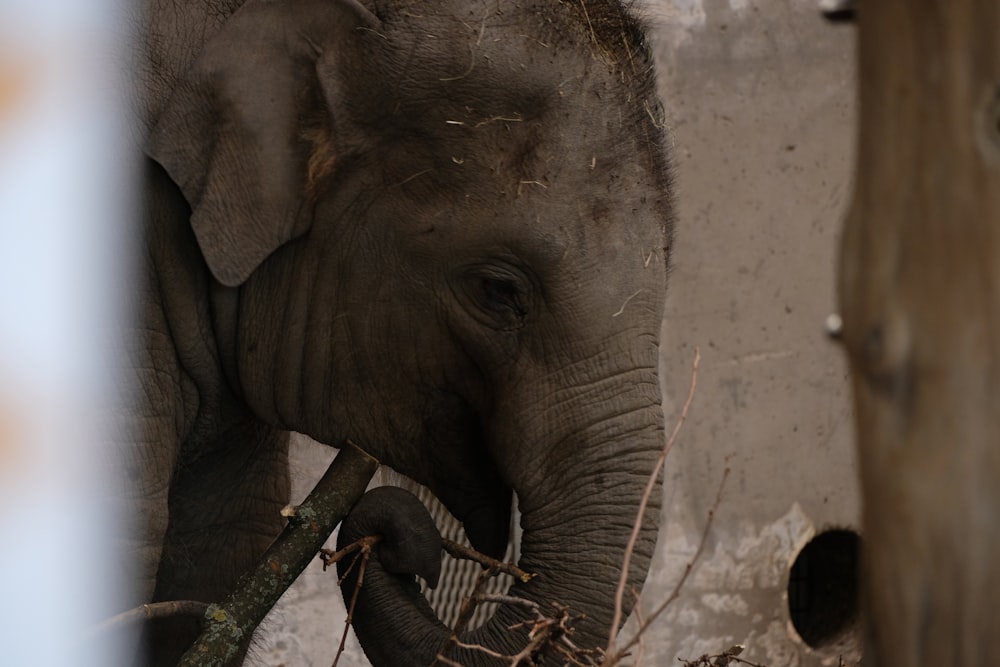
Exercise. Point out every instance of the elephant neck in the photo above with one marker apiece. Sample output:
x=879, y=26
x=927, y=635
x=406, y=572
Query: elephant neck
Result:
x=196, y=317
x=225, y=319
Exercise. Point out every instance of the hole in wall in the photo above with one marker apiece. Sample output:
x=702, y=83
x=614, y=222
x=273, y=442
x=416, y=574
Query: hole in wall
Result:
x=823, y=587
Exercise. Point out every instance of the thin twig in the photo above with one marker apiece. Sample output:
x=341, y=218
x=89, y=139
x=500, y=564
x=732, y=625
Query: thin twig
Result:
x=461, y=551
x=640, y=651
x=364, y=549
x=148, y=612
x=482, y=649
x=492, y=568
x=545, y=633
x=470, y=603
x=728, y=657
x=650, y=485
x=329, y=557
x=616, y=657
x=552, y=632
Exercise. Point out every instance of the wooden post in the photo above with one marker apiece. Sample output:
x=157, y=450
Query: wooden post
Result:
x=920, y=299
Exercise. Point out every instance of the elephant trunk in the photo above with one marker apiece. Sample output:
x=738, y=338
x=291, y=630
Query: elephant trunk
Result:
x=578, y=511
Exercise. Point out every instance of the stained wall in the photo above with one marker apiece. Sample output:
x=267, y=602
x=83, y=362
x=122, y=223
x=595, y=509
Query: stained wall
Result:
x=761, y=99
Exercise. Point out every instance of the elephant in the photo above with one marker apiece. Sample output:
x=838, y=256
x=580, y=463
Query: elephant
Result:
x=438, y=229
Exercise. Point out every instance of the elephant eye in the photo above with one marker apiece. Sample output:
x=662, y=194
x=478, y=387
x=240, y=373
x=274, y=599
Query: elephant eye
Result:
x=502, y=295
x=501, y=298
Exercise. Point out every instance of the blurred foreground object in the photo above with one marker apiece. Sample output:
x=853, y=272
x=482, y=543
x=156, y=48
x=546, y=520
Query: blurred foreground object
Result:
x=920, y=300
x=63, y=194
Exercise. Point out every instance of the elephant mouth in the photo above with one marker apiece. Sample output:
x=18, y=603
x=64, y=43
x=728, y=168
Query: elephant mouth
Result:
x=484, y=509
x=461, y=473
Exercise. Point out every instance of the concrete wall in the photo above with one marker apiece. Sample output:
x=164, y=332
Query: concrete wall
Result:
x=760, y=95
x=762, y=101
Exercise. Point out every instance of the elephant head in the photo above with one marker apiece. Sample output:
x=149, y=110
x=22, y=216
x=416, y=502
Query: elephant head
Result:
x=441, y=229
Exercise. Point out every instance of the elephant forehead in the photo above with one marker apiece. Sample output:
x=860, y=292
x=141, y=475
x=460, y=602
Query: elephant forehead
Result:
x=474, y=65
x=544, y=116
x=577, y=153
x=456, y=33
x=528, y=176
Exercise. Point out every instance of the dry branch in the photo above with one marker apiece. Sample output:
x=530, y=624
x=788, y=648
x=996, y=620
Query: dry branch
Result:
x=469, y=605
x=363, y=547
x=615, y=657
x=229, y=625
x=728, y=657
x=461, y=551
x=548, y=635
x=148, y=612
x=647, y=494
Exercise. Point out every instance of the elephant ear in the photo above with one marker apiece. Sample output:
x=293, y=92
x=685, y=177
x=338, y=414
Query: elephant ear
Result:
x=252, y=126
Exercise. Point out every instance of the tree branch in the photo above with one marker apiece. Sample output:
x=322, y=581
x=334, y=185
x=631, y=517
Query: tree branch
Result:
x=456, y=550
x=148, y=612
x=229, y=626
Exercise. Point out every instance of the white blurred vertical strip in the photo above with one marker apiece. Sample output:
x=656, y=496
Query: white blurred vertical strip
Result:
x=65, y=193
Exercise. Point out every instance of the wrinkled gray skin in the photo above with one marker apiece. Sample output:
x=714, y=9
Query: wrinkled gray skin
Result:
x=436, y=228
